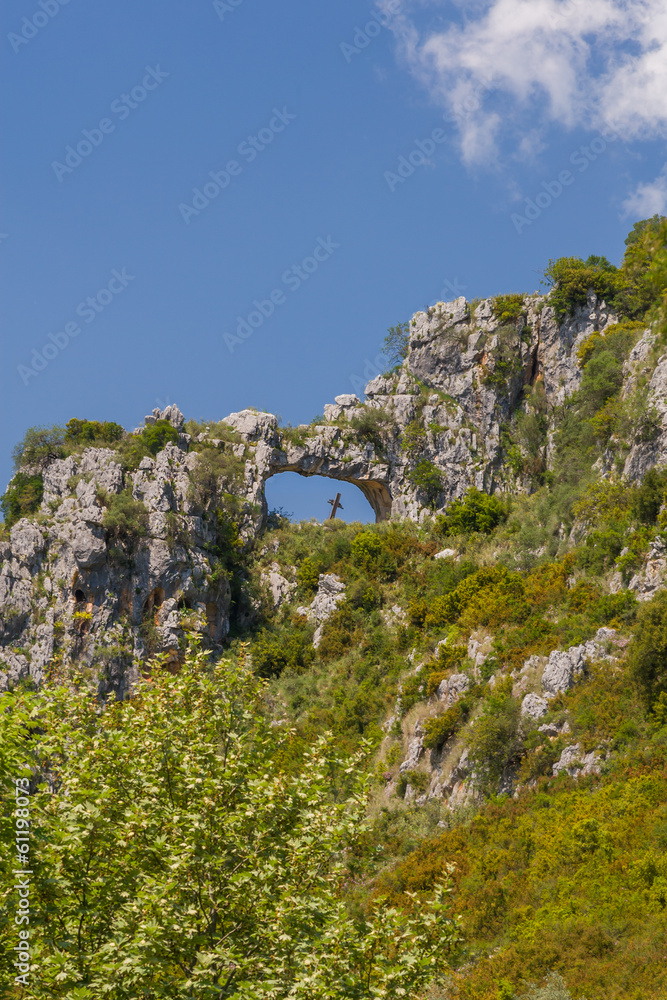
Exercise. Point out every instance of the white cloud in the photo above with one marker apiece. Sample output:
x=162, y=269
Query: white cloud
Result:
x=648, y=199
x=591, y=63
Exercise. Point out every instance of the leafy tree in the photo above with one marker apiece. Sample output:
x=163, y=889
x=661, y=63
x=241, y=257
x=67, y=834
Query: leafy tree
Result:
x=89, y=431
x=571, y=278
x=397, y=343
x=40, y=446
x=475, y=512
x=22, y=497
x=174, y=857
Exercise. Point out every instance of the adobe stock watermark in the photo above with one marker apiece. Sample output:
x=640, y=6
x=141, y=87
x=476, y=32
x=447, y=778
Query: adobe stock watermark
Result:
x=417, y=157
x=363, y=36
x=249, y=150
x=292, y=279
x=31, y=26
x=22, y=875
x=122, y=107
x=581, y=158
x=222, y=7
x=88, y=310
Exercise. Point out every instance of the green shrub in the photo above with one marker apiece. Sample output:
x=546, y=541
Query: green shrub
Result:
x=159, y=434
x=22, y=497
x=308, y=573
x=369, y=425
x=494, y=741
x=508, y=308
x=475, y=512
x=427, y=478
x=371, y=554
x=650, y=496
x=571, y=278
x=274, y=652
x=40, y=446
x=437, y=731
x=125, y=519
x=90, y=431
x=647, y=653
x=216, y=475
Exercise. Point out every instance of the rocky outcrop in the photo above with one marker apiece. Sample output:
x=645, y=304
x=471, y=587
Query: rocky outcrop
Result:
x=330, y=592
x=565, y=666
x=69, y=592
x=461, y=381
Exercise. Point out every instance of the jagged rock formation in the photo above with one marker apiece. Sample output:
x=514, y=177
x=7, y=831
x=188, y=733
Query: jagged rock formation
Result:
x=67, y=592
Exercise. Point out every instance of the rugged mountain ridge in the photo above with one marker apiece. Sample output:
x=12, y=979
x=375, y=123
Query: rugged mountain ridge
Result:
x=423, y=436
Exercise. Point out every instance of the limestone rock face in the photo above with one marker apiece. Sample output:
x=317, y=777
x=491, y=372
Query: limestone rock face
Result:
x=534, y=706
x=442, y=411
x=574, y=762
x=565, y=666
x=66, y=591
x=453, y=688
x=330, y=592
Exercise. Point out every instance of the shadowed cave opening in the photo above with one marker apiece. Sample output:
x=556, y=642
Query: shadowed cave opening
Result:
x=304, y=497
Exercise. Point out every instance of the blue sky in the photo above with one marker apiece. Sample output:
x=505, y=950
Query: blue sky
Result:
x=305, y=113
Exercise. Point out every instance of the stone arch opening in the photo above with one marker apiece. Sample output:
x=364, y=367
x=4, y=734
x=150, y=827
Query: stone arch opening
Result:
x=79, y=596
x=376, y=494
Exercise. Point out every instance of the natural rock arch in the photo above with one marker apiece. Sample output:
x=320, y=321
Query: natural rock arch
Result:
x=376, y=492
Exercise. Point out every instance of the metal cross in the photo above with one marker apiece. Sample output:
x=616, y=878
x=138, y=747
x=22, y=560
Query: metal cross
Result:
x=336, y=505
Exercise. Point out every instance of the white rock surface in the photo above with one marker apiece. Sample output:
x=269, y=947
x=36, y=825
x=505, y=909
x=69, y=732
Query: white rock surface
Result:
x=534, y=706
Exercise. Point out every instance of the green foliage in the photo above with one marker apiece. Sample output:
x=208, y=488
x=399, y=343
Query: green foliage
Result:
x=571, y=278
x=92, y=431
x=397, y=343
x=475, y=512
x=494, y=739
x=555, y=988
x=427, y=478
x=370, y=424
x=508, y=308
x=440, y=729
x=174, y=829
x=22, y=497
x=274, y=652
x=125, y=519
x=216, y=477
x=40, y=446
x=372, y=553
x=647, y=654
x=635, y=289
x=159, y=434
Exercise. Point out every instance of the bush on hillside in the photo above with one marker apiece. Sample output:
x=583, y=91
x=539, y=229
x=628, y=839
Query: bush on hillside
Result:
x=159, y=434
x=427, y=478
x=647, y=654
x=508, y=308
x=475, y=512
x=22, y=497
x=176, y=827
x=125, y=519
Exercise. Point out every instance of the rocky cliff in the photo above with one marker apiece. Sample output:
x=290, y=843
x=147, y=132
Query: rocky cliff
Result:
x=74, y=588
